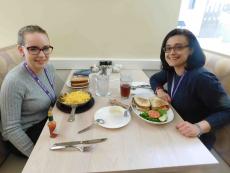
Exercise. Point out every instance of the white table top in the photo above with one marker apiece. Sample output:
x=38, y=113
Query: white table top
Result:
x=139, y=146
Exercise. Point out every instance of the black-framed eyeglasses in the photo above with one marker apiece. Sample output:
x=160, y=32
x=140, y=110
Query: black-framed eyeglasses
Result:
x=34, y=50
x=176, y=48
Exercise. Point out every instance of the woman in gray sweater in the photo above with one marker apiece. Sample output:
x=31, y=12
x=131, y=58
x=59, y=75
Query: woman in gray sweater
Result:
x=27, y=91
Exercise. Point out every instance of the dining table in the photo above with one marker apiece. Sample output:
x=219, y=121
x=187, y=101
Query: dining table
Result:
x=138, y=146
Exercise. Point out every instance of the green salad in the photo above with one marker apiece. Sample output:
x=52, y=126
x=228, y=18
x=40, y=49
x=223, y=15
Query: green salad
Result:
x=159, y=115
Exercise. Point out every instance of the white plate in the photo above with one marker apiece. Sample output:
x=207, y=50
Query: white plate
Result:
x=68, y=84
x=113, y=116
x=170, y=115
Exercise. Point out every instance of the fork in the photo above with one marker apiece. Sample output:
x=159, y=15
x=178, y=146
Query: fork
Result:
x=72, y=114
x=81, y=148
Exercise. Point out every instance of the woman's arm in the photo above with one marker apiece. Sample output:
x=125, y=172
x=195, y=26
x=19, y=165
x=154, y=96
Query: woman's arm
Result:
x=214, y=98
x=157, y=81
x=11, y=99
x=212, y=94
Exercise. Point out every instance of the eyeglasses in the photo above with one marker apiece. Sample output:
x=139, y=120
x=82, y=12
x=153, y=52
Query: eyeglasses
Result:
x=176, y=48
x=34, y=50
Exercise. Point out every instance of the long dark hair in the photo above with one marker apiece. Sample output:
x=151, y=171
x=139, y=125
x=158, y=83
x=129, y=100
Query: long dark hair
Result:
x=197, y=57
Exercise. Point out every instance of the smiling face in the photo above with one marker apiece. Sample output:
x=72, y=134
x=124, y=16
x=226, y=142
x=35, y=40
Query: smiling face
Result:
x=177, y=51
x=35, y=62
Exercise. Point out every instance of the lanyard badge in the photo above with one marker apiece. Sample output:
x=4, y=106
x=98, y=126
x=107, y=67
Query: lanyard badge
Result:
x=175, y=88
x=52, y=96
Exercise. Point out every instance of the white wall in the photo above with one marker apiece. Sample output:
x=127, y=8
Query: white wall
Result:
x=93, y=28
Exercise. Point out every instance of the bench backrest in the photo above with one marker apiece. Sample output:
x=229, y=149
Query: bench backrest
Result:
x=9, y=58
x=219, y=65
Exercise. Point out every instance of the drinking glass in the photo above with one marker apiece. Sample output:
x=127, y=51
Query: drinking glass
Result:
x=125, y=85
x=102, y=85
x=92, y=82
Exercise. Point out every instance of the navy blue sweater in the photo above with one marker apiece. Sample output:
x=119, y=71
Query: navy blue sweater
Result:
x=199, y=96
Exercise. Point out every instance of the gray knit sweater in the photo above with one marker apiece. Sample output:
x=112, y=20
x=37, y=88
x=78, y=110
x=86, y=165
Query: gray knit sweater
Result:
x=23, y=104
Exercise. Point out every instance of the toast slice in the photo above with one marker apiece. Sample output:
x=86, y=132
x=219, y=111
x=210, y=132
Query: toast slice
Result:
x=157, y=103
x=142, y=104
x=79, y=81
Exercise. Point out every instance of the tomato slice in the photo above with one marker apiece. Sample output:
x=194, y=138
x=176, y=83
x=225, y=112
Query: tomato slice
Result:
x=153, y=114
x=166, y=107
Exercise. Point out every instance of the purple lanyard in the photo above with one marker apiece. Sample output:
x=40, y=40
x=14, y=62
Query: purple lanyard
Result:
x=173, y=91
x=44, y=88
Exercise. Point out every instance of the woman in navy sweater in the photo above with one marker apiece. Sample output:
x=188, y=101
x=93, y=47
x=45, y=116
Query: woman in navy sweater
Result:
x=195, y=93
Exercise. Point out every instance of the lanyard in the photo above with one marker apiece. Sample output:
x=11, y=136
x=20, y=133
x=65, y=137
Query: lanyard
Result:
x=44, y=88
x=174, y=90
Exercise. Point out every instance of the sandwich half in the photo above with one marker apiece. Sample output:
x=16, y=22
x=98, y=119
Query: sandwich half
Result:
x=158, y=103
x=142, y=104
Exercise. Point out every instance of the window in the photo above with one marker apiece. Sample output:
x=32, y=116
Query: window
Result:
x=209, y=20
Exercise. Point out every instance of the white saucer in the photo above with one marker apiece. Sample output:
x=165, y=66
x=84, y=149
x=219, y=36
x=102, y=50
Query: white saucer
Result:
x=113, y=116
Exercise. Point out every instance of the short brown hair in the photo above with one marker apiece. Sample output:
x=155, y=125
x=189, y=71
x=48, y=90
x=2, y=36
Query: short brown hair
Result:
x=29, y=29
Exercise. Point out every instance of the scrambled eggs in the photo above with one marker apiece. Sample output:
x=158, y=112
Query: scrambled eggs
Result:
x=76, y=97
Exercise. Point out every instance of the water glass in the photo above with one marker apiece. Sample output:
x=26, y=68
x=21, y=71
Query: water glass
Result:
x=102, y=85
x=92, y=82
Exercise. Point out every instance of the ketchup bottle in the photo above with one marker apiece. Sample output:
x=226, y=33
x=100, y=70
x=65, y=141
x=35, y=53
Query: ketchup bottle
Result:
x=51, y=124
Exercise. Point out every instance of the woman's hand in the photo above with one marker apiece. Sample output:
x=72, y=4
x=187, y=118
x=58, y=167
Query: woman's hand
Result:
x=163, y=95
x=188, y=129
x=193, y=130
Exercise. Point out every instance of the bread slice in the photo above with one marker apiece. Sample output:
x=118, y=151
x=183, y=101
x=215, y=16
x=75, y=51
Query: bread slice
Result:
x=80, y=84
x=142, y=104
x=157, y=103
x=79, y=81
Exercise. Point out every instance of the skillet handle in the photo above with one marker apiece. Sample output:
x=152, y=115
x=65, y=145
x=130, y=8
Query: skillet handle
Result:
x=72, y=114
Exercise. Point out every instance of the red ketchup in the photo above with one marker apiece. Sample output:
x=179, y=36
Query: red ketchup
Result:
x=51, y=125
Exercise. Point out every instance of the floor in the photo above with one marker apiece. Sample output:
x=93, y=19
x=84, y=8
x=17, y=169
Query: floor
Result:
x=13, y=164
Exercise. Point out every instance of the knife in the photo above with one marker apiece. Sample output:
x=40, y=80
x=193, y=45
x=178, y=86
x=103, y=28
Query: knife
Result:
x=92, y=141
x=141, y=86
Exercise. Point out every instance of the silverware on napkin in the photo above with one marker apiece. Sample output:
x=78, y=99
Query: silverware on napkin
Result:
x=146, y=86
x=72, y=143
